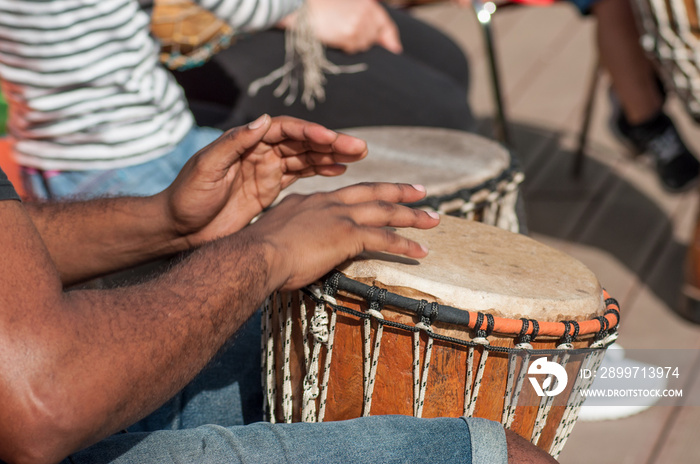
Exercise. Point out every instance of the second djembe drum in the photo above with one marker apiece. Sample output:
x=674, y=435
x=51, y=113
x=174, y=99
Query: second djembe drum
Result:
x=465, y=174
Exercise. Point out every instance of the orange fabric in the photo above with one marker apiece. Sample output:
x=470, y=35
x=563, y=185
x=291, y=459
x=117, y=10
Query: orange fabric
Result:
x=8, y=164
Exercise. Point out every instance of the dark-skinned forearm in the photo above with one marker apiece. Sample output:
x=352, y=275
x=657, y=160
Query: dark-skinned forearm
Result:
x=123, y=352
x=88, y=239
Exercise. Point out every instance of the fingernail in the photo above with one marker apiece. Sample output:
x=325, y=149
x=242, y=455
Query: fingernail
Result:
x=258, y=122
x=419, y=187
x=433, y=214
x=424, y=248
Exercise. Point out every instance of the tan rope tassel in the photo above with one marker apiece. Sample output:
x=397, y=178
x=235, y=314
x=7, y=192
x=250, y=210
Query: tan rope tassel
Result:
x=305, y=59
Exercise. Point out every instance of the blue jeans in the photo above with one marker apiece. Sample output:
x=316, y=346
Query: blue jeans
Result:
x=139, y=180
x=375, y=439
x=204, y=424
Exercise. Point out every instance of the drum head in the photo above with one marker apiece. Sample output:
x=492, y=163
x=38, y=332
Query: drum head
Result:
x=476, y=267
x=443, y=160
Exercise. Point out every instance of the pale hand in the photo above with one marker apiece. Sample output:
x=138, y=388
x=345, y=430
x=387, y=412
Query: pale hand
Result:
x=351, y=25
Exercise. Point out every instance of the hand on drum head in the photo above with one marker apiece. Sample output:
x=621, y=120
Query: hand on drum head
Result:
x=310, y=235
x=229, y=182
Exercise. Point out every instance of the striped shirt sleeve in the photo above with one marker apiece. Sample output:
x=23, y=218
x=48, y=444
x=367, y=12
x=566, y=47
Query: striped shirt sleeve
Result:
x=251, y=15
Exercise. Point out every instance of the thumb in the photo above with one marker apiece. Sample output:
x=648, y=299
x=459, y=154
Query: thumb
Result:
x=229, y=148
x=388, y=36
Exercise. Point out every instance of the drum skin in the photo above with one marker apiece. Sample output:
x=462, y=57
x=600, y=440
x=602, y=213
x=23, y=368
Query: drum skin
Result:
x=443, y=160
x=557, y=294
x=464, y=174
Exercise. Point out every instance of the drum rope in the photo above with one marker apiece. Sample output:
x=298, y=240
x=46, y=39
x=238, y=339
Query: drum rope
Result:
x=480, y=339
x=318, y=328
x=547, y=401
x=263, y=358
x=321, y=331
x=524, y=343
x=507, y=216
x=512, y=401
x=377, y=297
x=308, y=357
x=268, y=360
x=420, y=381
x=448, y=339
x=461, y=317
x=496, y=198
x=571, y=410
x=330, y=289
x=305, y=341
x=285, y=316
x=575, y=401
x=479, y=375
x=512, y=396
x=305, y=63
x=491, y=211
x=468, y=383
x=566, y=344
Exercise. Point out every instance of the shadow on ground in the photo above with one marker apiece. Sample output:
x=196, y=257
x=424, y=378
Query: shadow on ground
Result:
x=599, y=209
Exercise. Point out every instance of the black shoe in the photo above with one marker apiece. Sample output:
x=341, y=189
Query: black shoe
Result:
x=676, y=166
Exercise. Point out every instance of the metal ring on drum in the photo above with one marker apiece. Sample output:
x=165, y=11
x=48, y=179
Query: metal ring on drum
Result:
x=464, y=174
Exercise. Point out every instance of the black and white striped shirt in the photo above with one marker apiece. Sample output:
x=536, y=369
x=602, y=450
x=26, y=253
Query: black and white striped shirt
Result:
x=85, y=87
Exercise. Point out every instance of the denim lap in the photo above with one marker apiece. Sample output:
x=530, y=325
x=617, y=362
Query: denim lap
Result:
x=385, y=439
x=140, y=180
x=204, y=424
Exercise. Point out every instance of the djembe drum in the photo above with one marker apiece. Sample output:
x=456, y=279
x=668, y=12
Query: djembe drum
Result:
x=670, y=34
x=451, y=335
x=189, y=34
x=464, y=174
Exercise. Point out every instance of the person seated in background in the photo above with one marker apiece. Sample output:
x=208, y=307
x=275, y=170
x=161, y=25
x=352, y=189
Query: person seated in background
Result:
x=93, y=111
x=365, y=34
x=79, y=366
x=382, y=66
x=641, y=120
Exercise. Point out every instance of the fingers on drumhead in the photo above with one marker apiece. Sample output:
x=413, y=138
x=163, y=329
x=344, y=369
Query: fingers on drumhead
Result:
x=287, y=127
x=371, y=191
x=383, y=213
x=387, y=240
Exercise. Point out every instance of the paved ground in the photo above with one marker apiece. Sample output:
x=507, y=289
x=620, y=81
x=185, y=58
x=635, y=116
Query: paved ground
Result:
x=615, y=218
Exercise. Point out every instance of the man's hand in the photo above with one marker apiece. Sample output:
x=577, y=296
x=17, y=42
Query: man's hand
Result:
x=351, y=25
x=309, y=235
x=231, y=181
x=134, y=347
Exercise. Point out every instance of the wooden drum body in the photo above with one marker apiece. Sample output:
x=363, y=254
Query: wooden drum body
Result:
x=465, y=174
x=443, y=337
